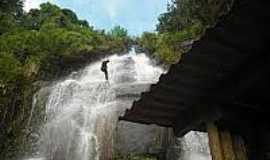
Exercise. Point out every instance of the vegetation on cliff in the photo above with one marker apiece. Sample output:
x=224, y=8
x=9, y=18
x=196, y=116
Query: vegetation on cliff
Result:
x=184, y=22
x=42, y=44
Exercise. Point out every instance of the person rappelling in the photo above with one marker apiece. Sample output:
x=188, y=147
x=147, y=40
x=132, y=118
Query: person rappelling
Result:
x=104, y=68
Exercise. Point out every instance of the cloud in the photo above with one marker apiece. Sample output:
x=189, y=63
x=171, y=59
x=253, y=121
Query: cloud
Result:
x=29, y=4
x=112, y=8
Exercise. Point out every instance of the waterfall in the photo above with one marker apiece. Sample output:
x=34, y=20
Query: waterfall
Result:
x=194, y=146
x=82, y=112
x=83, y=109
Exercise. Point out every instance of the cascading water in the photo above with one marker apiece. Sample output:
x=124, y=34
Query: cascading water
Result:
x=194, y=146
x=82, y=111
x=78, y=108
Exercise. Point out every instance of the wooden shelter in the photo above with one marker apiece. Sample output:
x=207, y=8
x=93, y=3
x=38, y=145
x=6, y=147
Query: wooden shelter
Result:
x=221, y=86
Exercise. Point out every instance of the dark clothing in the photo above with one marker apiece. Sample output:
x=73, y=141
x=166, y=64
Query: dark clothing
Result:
x=106, y=75
x=104, y=68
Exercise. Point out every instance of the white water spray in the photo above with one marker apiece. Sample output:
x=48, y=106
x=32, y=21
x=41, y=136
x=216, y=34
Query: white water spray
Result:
x=77, y=107
x=194, y=146
x=82, y=111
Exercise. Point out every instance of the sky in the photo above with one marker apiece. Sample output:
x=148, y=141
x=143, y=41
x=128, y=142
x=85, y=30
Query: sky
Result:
x=136, y=16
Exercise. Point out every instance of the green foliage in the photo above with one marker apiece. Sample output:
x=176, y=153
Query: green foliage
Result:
x=185, y=13
x=184, y=22
x=7, y=23
x=149, y=41
x=119, y=37
x=52, y=34
x=118, y=32
x=11, y=6
x=167, y=46
x=10, y=68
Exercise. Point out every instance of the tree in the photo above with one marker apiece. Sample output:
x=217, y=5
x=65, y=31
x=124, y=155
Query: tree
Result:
x=184, y=22
x=118, y=31
x=184, y=13
x=148, y=41
x=10, y=12
x=11, y=6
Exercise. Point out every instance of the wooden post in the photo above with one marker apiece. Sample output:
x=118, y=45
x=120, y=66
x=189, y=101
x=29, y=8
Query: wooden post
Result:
x=239, y=148
x=214, y=142
x=227, y=145
x=224, y=146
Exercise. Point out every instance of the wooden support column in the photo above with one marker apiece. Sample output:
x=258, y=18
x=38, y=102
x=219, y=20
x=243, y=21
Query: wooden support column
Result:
x=214, y=142
x=224, y=146
x=227, y=145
